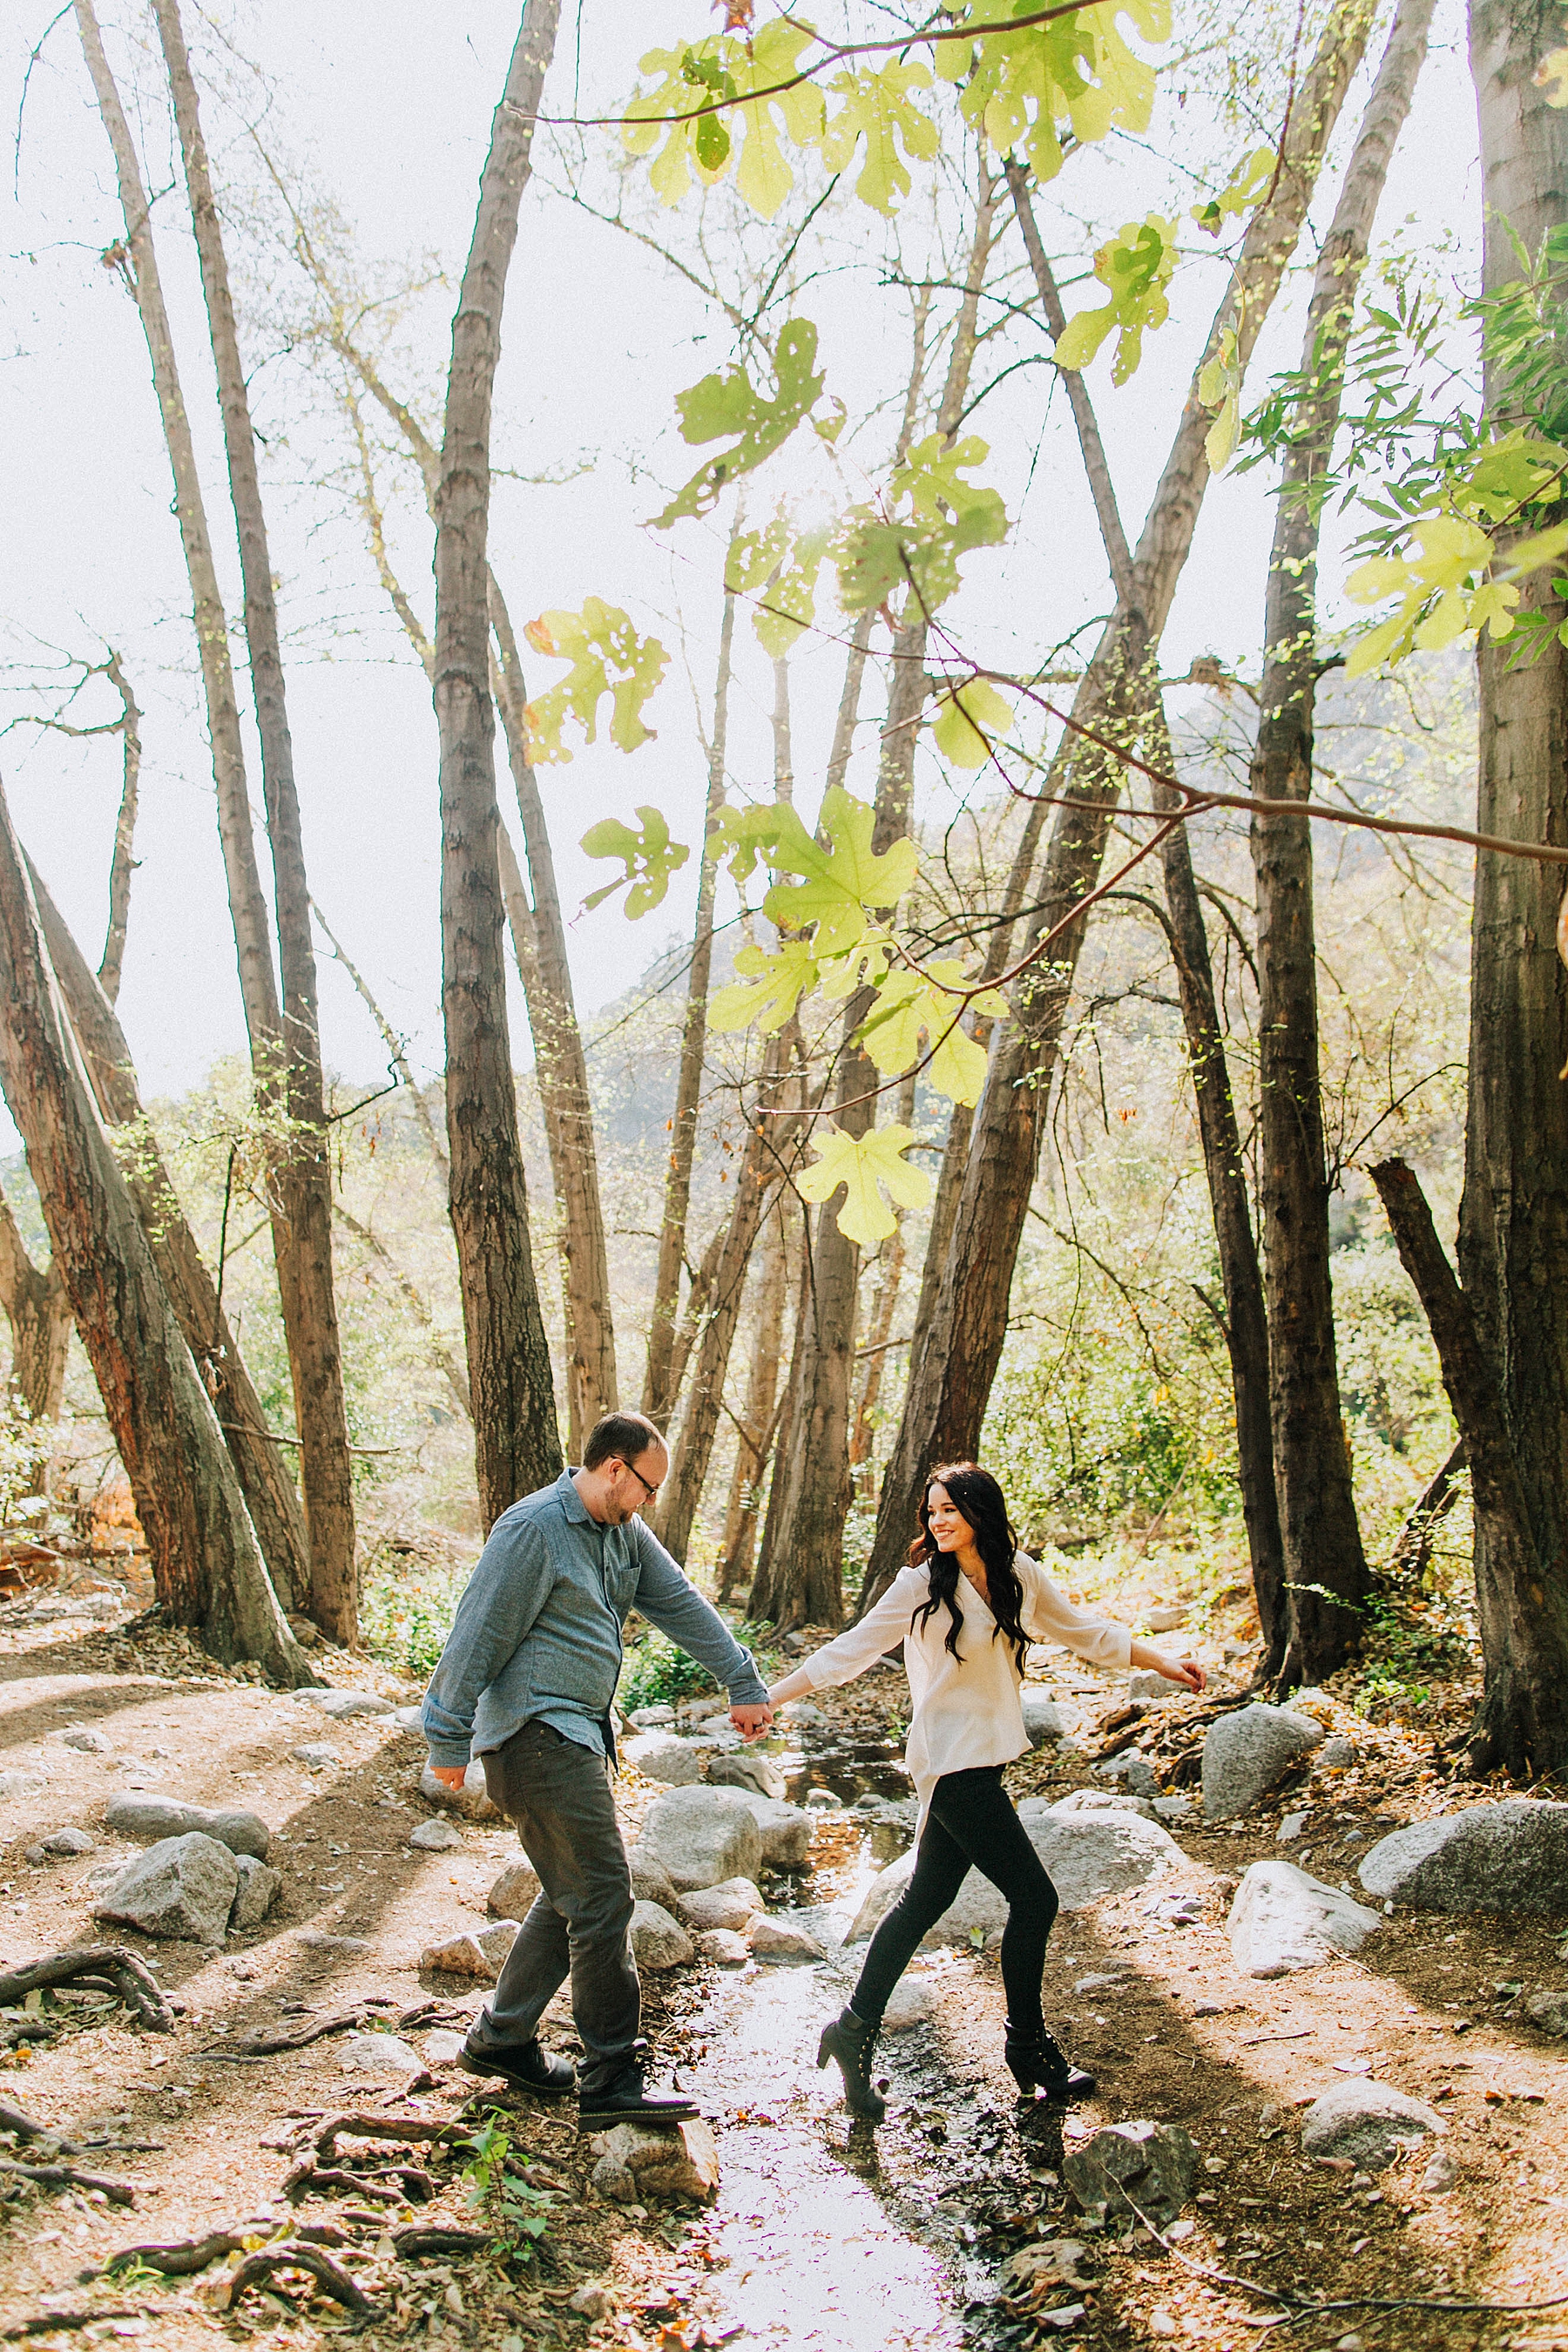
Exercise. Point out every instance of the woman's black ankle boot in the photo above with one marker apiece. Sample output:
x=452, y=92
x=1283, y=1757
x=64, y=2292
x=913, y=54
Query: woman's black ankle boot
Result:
x=1038, y=2063
x=851, y=2041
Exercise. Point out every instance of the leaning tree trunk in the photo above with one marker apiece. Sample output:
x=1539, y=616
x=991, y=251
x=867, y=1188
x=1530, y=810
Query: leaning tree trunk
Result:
x=1326, y=1576
x=659, y=1388
x=302, y=1221
x=270, y=1495
x=1513, y=1219
x=961, y=1347
x=40, y=1333
x=1515, y=1588
x=516, y=1444
x=207, y=1568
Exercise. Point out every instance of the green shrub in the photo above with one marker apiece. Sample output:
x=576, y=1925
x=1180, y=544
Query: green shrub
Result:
x=657, y=1674
x=405, y=1618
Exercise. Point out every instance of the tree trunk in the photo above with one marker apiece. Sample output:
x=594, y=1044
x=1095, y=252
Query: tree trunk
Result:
x=207, y=1564
x=1513, y=1218
x=1519, y=1720
x=517, y=1445
x=960, y=1348
x=40, y=1331
x=659, y=1389
x=760, y=1413
x=302, y=1230
x=269, y=1491
x=122, y=864
x=1326, y=1576
x=769, y=1595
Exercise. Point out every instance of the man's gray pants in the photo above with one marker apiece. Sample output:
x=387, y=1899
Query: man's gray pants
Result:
x=557, y=1795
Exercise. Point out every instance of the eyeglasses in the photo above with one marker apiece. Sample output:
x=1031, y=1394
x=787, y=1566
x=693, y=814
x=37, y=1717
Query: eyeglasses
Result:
x=651, y=1492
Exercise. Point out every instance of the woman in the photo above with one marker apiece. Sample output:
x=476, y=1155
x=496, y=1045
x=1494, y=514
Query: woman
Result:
x=966, y=1608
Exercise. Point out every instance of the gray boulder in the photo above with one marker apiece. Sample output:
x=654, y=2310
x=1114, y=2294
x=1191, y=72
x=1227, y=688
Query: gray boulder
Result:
x=658, y=1940
x=651, y=1883
x=1144, y=2166
x=183, y=1888
x=749, y=1770
x=472, y=1952
x=1100, y=1801
x=1151, y=1689
x=1088, y=1854
x=1248, y=1753
x=471, y=1800
x=1367, y=2122
x=1507, y=1857
x=735, y=1904
x=785, y=1831
x=703, y=1835
x=435, y=1836
x=781, y=1942
x=341, y=1703
x=724, y=1946
x=134, y=1815
x=1045, y=1719
x=638, y=2162
x=660, y=1755
x=1337, y=1753
x=1548, y=2012
x=1135, y=1770
x=514, y=1892
x=650, y=1718
x=259, y=1889
x=1284, y=1920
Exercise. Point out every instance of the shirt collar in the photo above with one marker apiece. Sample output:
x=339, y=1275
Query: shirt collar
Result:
x=571, y=1502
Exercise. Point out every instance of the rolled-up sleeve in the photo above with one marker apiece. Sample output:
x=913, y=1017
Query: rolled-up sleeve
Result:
x=882, y=1628
x=1047, y=1615
x=668, y=1599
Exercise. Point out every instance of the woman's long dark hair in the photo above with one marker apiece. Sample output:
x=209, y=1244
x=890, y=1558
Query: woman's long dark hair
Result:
x=975, y=1493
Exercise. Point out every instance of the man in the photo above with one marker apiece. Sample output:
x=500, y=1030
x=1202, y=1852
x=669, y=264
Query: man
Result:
x=527, y=1681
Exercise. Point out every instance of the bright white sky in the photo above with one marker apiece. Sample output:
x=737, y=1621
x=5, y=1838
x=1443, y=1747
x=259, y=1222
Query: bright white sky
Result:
x=391, y=111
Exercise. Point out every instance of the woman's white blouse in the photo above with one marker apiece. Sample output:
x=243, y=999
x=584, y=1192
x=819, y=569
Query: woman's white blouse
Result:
x=967, y=1710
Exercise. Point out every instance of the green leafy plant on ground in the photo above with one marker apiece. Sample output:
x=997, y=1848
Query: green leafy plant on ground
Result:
x=516, y=2213
x=404, y=1619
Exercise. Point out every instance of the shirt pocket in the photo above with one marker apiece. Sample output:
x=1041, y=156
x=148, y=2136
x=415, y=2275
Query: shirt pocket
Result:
x=620, y=1580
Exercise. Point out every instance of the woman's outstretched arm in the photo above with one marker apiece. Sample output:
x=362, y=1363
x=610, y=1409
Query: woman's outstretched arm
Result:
x=853, y=1652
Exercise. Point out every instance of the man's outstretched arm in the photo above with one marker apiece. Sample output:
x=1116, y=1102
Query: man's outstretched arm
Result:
x=668, y=1599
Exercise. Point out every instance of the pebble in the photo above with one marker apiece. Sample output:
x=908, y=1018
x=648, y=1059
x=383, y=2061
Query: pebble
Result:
x=724, y=1946
x=68, y=1841
x=441, y=2048
x=82, y=1735
x=434, y=1837
x=316, y=1755
x=318, y=1939
x=772, y=1941
x=340, y=1703
x=387, y=2055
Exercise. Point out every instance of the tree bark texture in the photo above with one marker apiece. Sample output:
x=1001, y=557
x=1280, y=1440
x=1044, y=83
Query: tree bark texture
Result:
x=1513, y=1218
x=1522, y=1609
x=41, y=1330
x=760, y=1413
x=270, y=1495
x=959, y=1350
x=517, y=1442
x=1327, y=1579
x=207, y=1564
x=123, y=862
x=658, y=1390
x=302, y=1219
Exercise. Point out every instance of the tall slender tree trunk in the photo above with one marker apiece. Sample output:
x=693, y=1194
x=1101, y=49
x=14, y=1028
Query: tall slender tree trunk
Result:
x=961, y=1346
x=1513, y=1219
x=302, y=1230
x=40, y=1332
x=269, y=1491
x=207, y=1564
x=658, y=1390
x=1326, y=1575
x=762, y=1400
x=516, y=1444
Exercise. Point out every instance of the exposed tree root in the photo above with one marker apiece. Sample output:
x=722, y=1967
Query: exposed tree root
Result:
x=182, y=2259
x=24, y=2126
x=108, y=1968
x=300, y=2037
x=66, y=2176
x=43, y=2323
x=438, y=2238
x=296, y=2255
x=406, y=2128
x=310, y=2178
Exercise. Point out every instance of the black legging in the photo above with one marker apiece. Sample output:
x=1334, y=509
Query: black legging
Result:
x=971, y=1825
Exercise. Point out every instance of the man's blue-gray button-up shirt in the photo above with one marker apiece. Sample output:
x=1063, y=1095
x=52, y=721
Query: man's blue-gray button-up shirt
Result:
x=537, y=1636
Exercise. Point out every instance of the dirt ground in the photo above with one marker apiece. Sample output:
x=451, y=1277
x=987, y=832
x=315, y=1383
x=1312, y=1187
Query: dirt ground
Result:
x=821, y=2236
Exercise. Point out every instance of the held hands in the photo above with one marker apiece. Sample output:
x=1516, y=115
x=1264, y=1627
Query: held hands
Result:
x=751, y=1722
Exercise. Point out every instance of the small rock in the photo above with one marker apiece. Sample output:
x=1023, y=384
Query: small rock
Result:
x=321, y=1940
x=1283, y=1921
x=442, y=2048
x=651, y=1883
x=785, y=1831
x=823, y=1801
x=658, y=1940
x=637, y=2162
x=1169, y=1619
x=1153, y=1689
x=137, y=1816
x=592, y=2303
x=514, y=1892
x=1150, y=2163
x=101, y=1879
x=651, y=1718
x=1511, y=1857
x=408, y=1718
x=183, y=1888
x=385, y=2056
x=434, y=1837
x=776, y=1942
x=1099, y=1981
x=724, y=1946
x=479, y=1953
x=1045, y=1719
x=341, y=1703
x=750, y=1769
x=800, y=1715
x=910, y=2005
x=1245, y=1754
x=83, y=1735
x=1548, y=2010
x=1290, y=1828
x=660, y=1755
x=704, y=1835
x=1441, y=2174
x=34, y=1856
x=472, y=1800
x=21, y=1784
x=1337, y=1754
x=316, y=1755
x=1100, y=1800
x=1065, y=2258
x=1365, y=2122
x=1135, y=1770
x=735, y=1904
x=68, y=1841
x=259, y=1889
